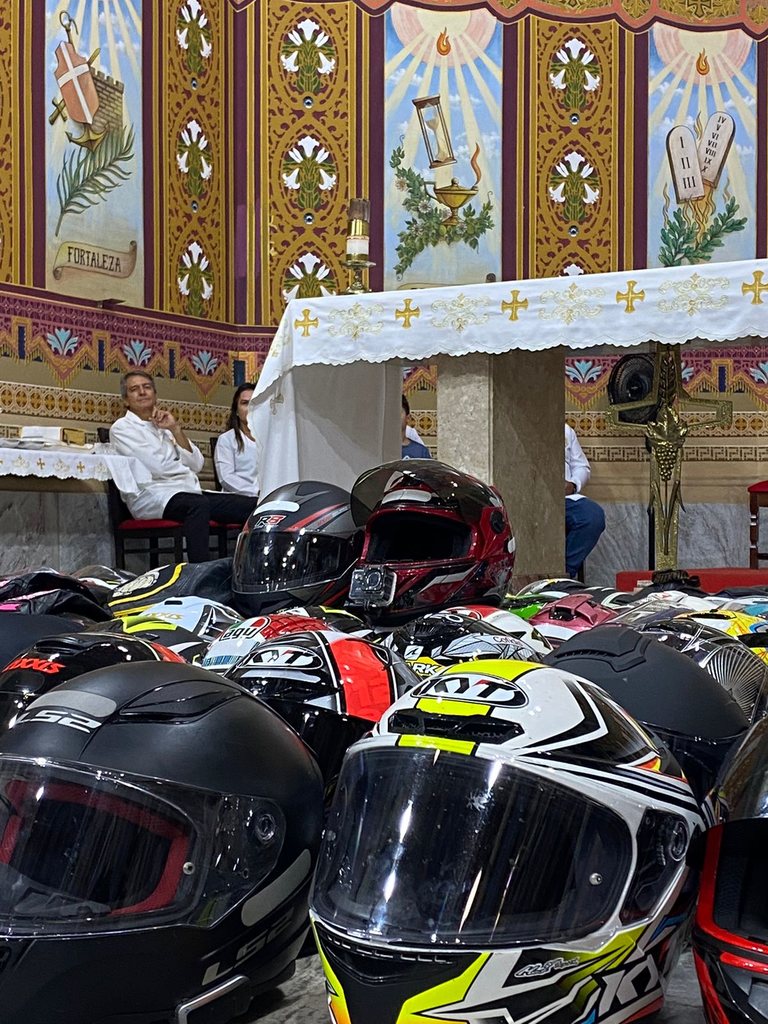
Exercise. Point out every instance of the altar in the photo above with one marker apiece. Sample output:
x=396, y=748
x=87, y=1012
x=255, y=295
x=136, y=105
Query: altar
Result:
x=327, y=403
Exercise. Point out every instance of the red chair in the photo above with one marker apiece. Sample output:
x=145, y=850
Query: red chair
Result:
x=758, y=498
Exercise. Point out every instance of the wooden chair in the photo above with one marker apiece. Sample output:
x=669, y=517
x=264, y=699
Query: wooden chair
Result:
x=149, y=532
x=758, y=498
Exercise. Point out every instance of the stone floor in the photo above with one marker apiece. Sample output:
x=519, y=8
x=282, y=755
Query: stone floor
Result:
x=302, y=999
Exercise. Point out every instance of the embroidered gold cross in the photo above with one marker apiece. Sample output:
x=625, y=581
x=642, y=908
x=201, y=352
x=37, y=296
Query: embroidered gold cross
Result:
x=515, y=305
x=756, y=288
x=305, y=323
x=630, y=296
x=408, y=313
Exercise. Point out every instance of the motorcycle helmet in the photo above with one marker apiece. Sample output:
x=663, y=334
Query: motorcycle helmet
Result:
x=54, y=660
x=557, y=587
x=102, y=581
x=156, y=884
x=158, y=631
x=507, y=622
x=750, y=629
x=434, y=537
x=450, y=637
x=508, y=845
x=298, y=548
x=338, y=619
x=568, y=616
x=331, y=687
x=240, y=639
x=730, y=935
x=660, y=605
x=18, y=631
x=206, y=619
x=525, y=605
x=736, y=668
x=210, y=580
x=665, y=691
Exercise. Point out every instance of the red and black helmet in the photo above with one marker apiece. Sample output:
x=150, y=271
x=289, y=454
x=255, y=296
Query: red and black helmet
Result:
x=434, y=537
x=299, y=547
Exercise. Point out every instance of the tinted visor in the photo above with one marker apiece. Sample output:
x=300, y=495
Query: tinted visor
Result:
x=426, y=846
x=416, y=537
x=267, y=561
x=427, y=482
x=81, y=853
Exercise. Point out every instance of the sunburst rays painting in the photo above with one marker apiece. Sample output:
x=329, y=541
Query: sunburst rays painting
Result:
x=443, y=146
x=702, y=130
x=94, y=189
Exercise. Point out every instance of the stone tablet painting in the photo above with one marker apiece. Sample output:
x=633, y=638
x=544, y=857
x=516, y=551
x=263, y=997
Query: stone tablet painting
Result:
x=94, y=215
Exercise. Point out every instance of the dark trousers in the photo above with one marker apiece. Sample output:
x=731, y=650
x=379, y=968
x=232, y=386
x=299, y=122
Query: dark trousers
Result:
x=195, y=511
x=584, y=522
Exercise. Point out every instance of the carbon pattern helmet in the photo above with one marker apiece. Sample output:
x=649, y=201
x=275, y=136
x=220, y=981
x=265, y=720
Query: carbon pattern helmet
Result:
x=508, y=845
x=331, y=687
x=123, y=847
x=299, y=547
x=664, y=690
x=451, y=637
x=434, y=537
x=56, y=659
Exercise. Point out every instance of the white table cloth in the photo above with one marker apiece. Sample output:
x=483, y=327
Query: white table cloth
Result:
x=67, y=462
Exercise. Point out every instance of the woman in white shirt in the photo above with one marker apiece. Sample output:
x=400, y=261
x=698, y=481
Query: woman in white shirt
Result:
x=236, y=454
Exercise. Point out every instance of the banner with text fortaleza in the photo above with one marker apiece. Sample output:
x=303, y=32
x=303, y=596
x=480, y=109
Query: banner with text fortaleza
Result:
x=79, y=256
x=93, y=152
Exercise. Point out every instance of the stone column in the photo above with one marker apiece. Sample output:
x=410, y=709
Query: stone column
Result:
x=502, y=418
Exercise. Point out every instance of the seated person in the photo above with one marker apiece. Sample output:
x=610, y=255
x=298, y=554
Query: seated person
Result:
x=411, y=449
x=153, y=436
x=237, y=454
x=584, y=518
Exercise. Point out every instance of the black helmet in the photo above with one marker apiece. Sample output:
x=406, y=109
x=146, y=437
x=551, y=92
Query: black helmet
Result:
x=298, y=547
x=331, y=687
x=665, y=691
x=434, y=641
x=730, y=936
x=19, y=631
x=165, y=632
x=146, y=878
x=56, y=659
x=727, y=659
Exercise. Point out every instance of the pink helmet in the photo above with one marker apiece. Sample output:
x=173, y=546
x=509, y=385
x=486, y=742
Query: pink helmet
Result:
x=561, y=619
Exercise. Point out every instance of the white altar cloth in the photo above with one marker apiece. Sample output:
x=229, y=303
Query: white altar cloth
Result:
x=326, y=404
x=66, y=462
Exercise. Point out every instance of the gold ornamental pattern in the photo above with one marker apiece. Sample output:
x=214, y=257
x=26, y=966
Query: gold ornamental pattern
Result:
x=192, y=227
x=573, y=143
x=309, y=124
x=10, y=193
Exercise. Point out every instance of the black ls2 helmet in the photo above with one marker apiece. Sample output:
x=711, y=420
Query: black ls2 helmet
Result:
x=159, y=830
x=299, y=547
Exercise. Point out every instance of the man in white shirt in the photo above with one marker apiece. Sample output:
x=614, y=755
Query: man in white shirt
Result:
x=153, y=436
x=584, y=518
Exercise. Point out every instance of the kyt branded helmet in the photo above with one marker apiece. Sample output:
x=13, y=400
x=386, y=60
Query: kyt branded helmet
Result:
x=568, y=616
x=432, y=642
x=509, y=845
x=239, y=640
x=56, y=659
x=206, y=619
x=298, y=548
x=726, y=658
x=730, y=936
x=183, y=877
x=434, y=537
x=166, y=632
x=664, y=690
x=331, y=687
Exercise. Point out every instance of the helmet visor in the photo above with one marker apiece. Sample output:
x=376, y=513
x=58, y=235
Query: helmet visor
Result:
x=431, y=484
x=267, y=561
x=90, y=852
x=466, y=851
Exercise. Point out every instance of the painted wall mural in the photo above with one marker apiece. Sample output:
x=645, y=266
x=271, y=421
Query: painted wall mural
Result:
x=94, y=184
x=702, y=146
x=443, y=209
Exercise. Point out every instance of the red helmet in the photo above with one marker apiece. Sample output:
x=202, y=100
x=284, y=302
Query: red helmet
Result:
x=434, y=537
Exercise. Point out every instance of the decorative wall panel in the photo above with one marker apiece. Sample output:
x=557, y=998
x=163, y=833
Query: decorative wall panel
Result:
x=11, y=197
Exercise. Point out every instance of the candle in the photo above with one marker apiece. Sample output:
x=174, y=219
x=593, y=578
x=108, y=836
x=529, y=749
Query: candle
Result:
x=358, y=232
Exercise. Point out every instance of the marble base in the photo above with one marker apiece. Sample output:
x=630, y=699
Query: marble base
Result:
x=63, y=530
x=710, y=535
